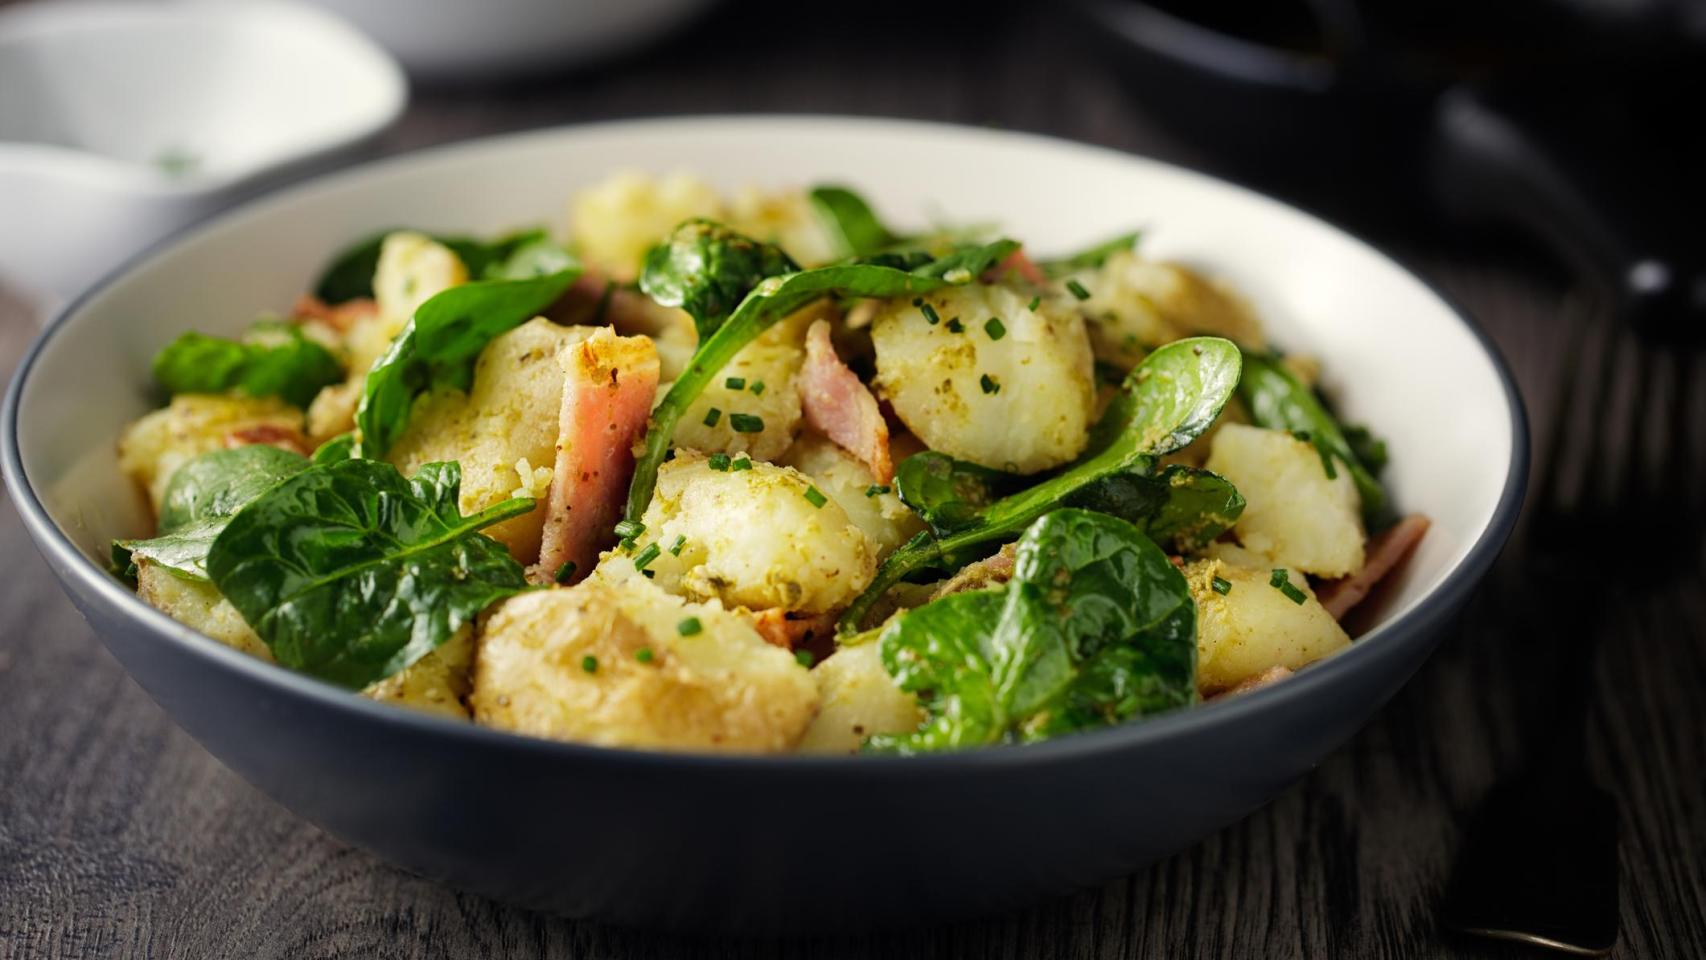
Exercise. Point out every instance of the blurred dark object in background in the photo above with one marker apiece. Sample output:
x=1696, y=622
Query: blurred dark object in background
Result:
x=1576, y=122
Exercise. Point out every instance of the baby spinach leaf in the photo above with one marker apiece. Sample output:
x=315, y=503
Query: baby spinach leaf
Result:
x=1093, y=629
x=850, y=220
x=272, y=359
x=1091, y=257
x=1182, y=507
x=769, y=302
x=1279, y=401
x=201, y=497
x=350, y=274
x=947, y=493
x=439, y=346
x=340, y=447
x=1172, y=397
x=706, y=269
x=351, y=573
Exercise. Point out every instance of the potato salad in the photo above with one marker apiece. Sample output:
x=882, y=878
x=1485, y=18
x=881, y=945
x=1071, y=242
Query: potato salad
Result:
x=760, y=473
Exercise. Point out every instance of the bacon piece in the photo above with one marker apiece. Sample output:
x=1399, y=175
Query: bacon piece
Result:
x=340, y=317
x=982, y=573
x=608, y=386
x=790, y=630
x=270, y=434
x=1384, y=553
x=1022, y=265
x=840, y=407
x=1266, y=678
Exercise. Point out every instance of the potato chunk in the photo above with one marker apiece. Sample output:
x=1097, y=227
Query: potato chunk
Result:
x=615, y=222
x=193, y=424
x=1253, y=627
x=413, y=268
x=888, y=522
x=758, y=382
x=626, y=664
x=1022, y=402
x=436, y=683
x=1295, y=515
x=786, y=219
x=752, y=538
x=1136, y=305
x=503, y=431
x=857, y=699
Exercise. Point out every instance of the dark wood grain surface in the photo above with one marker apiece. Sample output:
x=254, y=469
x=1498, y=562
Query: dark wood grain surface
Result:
x=120, y=837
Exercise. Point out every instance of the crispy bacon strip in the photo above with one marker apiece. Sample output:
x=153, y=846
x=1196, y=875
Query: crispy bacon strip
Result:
x=1384, y=553
x=340, y=317
x=608, y=386
x=840, y=407
x=790, y=630
x=1022, y=265
x=271, y=435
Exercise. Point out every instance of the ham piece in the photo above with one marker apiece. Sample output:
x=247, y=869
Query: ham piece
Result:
x=1384, y=553
x=608, y=386
x=839, y=406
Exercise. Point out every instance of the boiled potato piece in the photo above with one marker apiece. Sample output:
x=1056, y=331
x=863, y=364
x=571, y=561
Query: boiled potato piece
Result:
x=193, y=424
x=614, y=223
x=1253, y=627
x=1021, y=403
x=436, y=683
x=888, y=522
x=198, y=605
x=503, y=431
x=774, y=363
x=857, y=698
x=1137, y=305
x=626, y=664
x=784, y=218
x=1294, y=515
x=750, y=538
x=413, y=268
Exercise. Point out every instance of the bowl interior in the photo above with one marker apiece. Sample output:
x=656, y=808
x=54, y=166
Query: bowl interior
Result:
x=1395, y=356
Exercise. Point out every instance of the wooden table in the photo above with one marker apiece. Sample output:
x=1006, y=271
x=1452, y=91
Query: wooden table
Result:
x=120, y=837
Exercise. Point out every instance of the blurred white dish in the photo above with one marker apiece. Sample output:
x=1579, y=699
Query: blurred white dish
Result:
x=489, y=39
x=120, y=122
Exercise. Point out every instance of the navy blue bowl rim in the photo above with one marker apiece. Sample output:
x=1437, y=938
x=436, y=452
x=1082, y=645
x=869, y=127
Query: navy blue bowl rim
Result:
x=1412, y=626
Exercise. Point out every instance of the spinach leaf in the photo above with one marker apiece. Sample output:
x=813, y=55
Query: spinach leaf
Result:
x=351, y=573
x=272, y=359
x=1091, y=257
x=201, y=497
x=1171, y=398
x=1096, y=627
x=706, y=269
x=340, y=447
x=439, y=346
x=850, y=220
x=1182, y=507
x=526, y=253
x=769, y=302
x=1279, y=401
x=947, y=493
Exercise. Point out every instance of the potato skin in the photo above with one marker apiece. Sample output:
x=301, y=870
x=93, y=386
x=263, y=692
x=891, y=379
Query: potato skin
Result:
x=1040, y=371
x=857, y=698
x=510, y=414
x=1253, y=627
x=751, y=539
x=884, y=519
x=193, y=424
x=719, y=689
x=1295, y=515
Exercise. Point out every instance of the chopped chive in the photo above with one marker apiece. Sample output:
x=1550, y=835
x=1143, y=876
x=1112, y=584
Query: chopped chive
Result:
x=1077, y=290
x=564, y=572
x=719, y=462
x=629, y=529
x=1302, y=435
x=741, y=463
x=646, y=556
x=745, y=423
x=712, y=416
x=1222, y=586
x=804, y=658
x=930, y=314
x=876, y=489
x=650, y=574
x=589, y=663
x=815, y=498
x=1036, y=302
x=988, y=384
x=757, y=388
x=675, y=548
x=955, y=326
x=644, y=654
x=689, y=627
x=918, y=301
x=1281, y=580
x=735, y=383
x=995, y=328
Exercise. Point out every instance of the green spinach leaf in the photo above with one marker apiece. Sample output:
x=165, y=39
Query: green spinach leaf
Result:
x=769, y=302
x=1171, y=398
x=1091, y=257
x=706, y=269
x=947, y=493
x=201, y=497
x=1096, y=627
x=1279, y=401
x=1182, y=507
x=851, y=221
x=272, y=359
x=351, y=573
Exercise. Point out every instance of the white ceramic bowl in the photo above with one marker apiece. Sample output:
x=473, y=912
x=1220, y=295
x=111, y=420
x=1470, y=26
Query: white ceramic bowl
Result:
x=772, y=843
x=121, y=122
